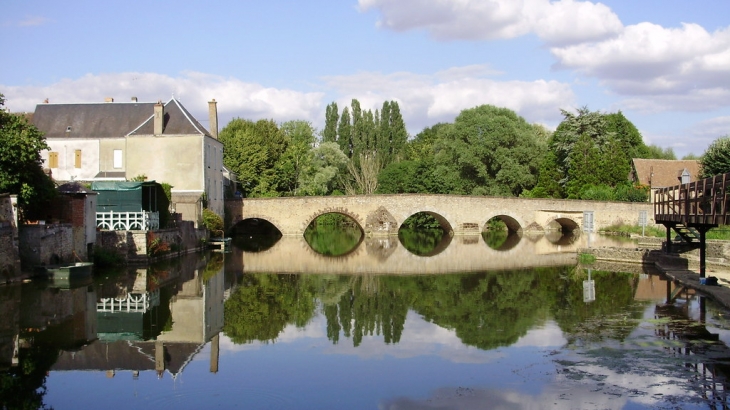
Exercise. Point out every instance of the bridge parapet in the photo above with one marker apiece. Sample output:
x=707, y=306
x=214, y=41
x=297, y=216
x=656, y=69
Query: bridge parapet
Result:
x=460, y=215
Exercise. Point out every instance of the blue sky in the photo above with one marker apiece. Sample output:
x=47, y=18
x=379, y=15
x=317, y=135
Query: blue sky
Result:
x=664, y=63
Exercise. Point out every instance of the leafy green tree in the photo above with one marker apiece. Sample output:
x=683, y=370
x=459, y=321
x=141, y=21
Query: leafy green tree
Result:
x=584, y=156
x=251, y=150
x=614, y=140
x=21, y=171
x=656, y=152
x=716, y=159
x=488, y=151
x=324, y=168
x=300, y=138
x=330, y=123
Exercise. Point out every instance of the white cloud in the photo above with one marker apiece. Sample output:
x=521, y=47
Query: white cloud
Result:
x=235, y=98
x=424, y=99
x=428, y=99
x=559, y=22
x=660, y=69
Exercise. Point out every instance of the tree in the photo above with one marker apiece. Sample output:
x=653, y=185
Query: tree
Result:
x=325, y=166
x=615, y=139
x=344, y=133
x=21, y=171
x=488, y=151
x=251, y=150
x=716, y=159
x=300, y=138
x=330, y=123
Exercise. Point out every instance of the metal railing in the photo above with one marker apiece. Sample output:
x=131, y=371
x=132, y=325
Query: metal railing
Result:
x=704, y=202
x=128, y=221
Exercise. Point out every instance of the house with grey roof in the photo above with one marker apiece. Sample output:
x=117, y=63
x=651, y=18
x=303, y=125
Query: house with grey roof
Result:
x=118, y=141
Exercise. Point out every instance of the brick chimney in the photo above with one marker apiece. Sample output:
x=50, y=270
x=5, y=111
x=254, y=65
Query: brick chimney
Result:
x=159, y=118
x=213, y=116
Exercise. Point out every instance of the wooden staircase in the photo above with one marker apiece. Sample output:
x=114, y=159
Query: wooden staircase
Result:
x=688, y=234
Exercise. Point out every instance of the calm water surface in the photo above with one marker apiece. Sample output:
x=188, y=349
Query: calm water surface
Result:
x=464, y=325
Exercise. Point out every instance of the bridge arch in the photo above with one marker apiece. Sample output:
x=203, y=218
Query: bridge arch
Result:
x=340, y=211
x=442, y=221
x=513, y=225
x=562, y=224
x=255, y=224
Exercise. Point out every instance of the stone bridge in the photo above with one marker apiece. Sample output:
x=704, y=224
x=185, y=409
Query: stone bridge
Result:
x=459, y=215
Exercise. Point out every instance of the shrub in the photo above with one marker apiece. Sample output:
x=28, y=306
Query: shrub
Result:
x=212, y=221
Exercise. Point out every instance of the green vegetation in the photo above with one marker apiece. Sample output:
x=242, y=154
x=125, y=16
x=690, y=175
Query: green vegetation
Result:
x=486, y=150
x=586, y=258
x=486, y=310
x=21, y=166
x=628, y=230
x=105, y=258
x=212, y=221
x=716, y=160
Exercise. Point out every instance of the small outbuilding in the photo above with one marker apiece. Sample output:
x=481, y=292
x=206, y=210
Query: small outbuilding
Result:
x=129, y=205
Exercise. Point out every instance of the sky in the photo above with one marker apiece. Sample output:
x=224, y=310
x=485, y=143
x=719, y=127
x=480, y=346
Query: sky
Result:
x=665, y=64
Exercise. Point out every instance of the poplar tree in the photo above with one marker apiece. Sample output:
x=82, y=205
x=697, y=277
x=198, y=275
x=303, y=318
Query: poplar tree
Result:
x=329, y=134
x=344, y=133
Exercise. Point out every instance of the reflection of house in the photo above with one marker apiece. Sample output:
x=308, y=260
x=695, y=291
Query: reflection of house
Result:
x=120, y=141
x=662, y=173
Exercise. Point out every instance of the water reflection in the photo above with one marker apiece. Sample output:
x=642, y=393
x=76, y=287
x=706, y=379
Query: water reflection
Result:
x=334, y=340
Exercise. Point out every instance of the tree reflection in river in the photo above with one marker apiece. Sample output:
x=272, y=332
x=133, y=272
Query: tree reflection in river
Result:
x=486, y=310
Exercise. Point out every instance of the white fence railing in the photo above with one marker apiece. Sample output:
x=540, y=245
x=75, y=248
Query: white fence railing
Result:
x=132, y=302
x=128, y=221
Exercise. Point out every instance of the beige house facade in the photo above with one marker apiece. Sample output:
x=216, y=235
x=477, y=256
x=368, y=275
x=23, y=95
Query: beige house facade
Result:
x=123, y=140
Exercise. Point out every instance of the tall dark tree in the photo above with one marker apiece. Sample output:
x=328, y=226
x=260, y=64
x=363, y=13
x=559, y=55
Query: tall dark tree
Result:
x=329, y=134
x=358, y=130
x=344, y=133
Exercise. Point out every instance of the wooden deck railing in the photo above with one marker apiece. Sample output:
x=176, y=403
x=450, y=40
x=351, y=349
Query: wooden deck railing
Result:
x=704, y=202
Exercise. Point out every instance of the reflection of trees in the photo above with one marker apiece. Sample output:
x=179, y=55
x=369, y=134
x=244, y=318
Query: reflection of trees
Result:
x=371, y=305
x=23, y=386
x=486, y=310
x=332, y=240
x=263, y=305
x=613, y=314
x=421, y=242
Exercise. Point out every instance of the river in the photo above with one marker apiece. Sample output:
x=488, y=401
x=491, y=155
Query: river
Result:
x=466, y=324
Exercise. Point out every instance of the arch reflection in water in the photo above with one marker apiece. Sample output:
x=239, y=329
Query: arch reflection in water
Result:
x=333, y=234
x=254, y=235
x=386, y=255
x=425, y=234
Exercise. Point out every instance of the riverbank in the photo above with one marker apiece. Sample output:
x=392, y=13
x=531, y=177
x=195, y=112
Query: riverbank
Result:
x=681, y=268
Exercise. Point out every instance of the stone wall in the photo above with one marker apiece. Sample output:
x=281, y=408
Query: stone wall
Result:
x=136, y=246
x=45, y=245
x=9, y=258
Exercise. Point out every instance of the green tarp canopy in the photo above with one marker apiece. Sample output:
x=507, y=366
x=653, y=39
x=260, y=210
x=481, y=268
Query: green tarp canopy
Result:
x=126, y=196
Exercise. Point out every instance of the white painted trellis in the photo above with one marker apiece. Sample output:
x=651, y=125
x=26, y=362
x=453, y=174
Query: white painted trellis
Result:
x=132, y=302
x=128, y=221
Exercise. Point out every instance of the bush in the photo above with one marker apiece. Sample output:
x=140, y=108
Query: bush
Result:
x=212, y=221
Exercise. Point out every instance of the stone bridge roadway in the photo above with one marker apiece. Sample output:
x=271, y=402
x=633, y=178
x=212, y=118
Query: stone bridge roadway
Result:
x=459, y=215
